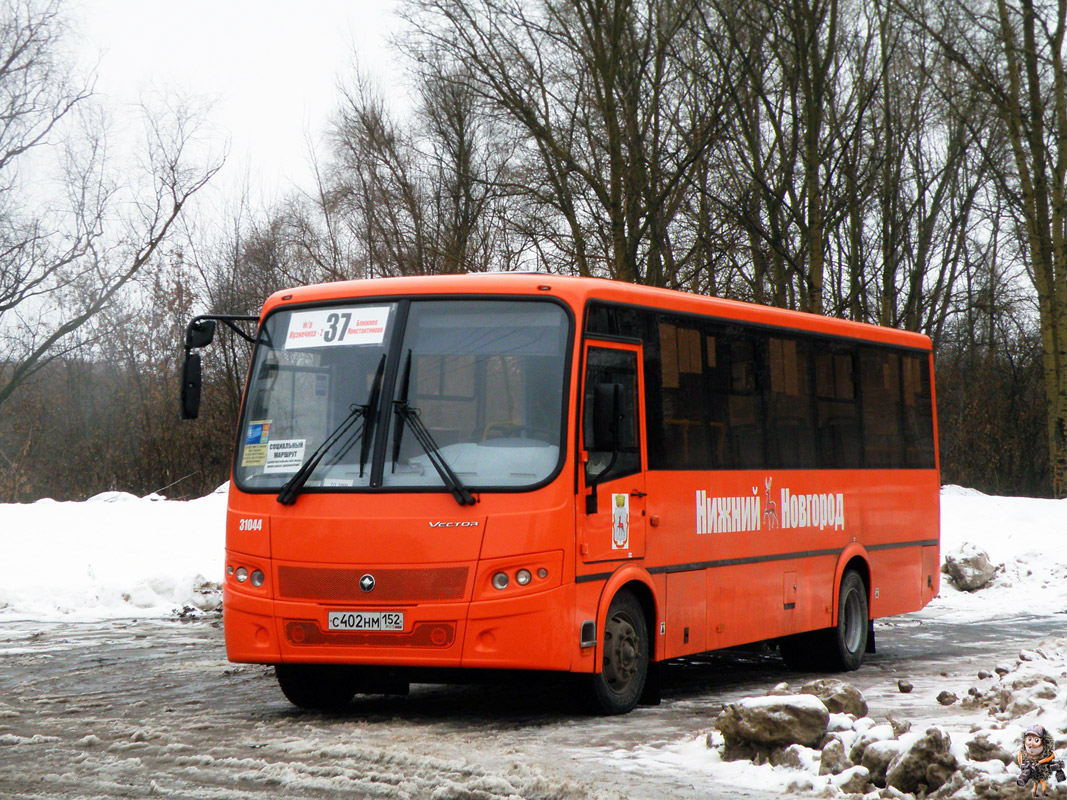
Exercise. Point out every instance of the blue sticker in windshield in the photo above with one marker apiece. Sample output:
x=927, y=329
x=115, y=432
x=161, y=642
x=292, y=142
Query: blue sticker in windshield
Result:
x=256, y=439
x=258, y=432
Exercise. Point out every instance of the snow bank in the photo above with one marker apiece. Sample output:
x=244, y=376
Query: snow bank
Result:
x=1022, y=536
x=114, y=555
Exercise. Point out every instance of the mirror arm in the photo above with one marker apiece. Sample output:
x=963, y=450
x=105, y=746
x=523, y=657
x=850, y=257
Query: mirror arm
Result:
x=229, y=320
x=611, y=464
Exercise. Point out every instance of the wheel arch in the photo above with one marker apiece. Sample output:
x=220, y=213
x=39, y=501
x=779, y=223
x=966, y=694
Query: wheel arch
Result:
x=639, y=583
x=854, y=557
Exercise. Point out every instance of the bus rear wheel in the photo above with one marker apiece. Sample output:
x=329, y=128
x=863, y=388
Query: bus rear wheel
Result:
x=849, y=636
x=318, y=687
x=624, y=666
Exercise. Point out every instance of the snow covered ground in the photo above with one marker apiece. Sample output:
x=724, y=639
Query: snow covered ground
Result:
x=117, y=556
x=112, y=556
x=1024, y=535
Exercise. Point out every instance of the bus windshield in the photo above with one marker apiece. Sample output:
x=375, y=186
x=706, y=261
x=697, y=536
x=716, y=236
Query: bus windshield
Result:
x=429, y=394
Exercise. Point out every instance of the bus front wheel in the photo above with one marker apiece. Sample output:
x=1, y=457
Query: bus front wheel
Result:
x=624, y=666
x=319, y=687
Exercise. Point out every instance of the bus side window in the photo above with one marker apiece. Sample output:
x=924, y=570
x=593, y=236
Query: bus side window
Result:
x=836, y=409
x=917, y=412
x=682, y=427
x=736, y=407
x=880, y=382
x=606, y=367
x=790, y=410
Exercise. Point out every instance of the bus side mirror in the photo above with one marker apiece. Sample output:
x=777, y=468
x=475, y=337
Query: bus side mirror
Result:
x=200, y=333
x=191, y=384
x=607, y=407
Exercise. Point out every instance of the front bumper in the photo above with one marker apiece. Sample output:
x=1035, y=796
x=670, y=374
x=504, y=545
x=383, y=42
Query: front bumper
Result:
x=533, y=631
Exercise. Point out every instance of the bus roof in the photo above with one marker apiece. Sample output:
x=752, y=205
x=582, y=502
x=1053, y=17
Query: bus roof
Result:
x=579, y=291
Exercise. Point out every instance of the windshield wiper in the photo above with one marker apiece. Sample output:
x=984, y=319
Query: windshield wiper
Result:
x=371, y=415
x=287, y=496
x=398, y=426
x=410, y=415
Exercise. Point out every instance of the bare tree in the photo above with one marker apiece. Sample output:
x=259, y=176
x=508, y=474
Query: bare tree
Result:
x=63, y=261
x=1013, y=51
x=421, y=197
x=603, y=104
x=800, y=163
x=933, y=187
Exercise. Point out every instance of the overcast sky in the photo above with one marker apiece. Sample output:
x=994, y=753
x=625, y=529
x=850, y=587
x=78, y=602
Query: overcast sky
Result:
x=270, y=67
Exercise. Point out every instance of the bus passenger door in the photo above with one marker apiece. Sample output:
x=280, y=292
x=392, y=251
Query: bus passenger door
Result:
x=611, y=515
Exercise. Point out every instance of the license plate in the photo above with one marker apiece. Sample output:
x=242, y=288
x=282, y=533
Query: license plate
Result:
x=366, y=621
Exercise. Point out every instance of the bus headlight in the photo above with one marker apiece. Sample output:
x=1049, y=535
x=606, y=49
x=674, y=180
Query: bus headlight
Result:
x=258, y=578
x=500, y=581
x=522, y=577
x=241, y=575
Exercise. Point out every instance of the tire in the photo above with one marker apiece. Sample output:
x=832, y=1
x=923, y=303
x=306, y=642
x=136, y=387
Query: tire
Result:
x=849, y=637
x=624, y=666
x=317, y=687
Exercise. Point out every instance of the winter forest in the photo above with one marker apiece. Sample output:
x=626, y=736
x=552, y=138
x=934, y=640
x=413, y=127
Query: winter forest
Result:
x=899, y=162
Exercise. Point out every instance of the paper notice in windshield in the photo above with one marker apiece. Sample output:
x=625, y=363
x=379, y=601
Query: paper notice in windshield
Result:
x=284, y=455
x=256, y=438
x=337, y=326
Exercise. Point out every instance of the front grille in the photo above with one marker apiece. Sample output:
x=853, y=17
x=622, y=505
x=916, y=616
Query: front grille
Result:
x=341, y=585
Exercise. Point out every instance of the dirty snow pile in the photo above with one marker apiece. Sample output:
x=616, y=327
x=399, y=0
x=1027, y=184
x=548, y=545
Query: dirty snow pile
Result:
x=818, y=739
x=114, y=555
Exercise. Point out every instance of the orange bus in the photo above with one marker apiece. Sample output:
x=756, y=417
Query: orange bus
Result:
x=534, y=472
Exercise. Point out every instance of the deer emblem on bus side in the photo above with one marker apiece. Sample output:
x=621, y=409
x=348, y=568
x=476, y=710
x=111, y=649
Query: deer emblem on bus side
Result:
x=770, y=511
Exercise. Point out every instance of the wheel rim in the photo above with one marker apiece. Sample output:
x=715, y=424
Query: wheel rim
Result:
x=853, y=612
x=622, y=653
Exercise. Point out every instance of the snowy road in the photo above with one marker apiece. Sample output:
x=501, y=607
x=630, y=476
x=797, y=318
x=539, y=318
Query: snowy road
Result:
x=129, y=709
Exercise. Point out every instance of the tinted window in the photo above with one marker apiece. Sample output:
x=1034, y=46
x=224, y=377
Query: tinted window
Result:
x=605, y=370
x=883, y=447
x=836, y=409
x=723, y=396
x=790, y=403
x=917, y=418
x=683, y=431
x=735, y=408
x=897, y=410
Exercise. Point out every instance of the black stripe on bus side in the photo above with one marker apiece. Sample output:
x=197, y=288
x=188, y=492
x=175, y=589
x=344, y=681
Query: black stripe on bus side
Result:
x=733, y=562
x=598, y=576
x=894, y=545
